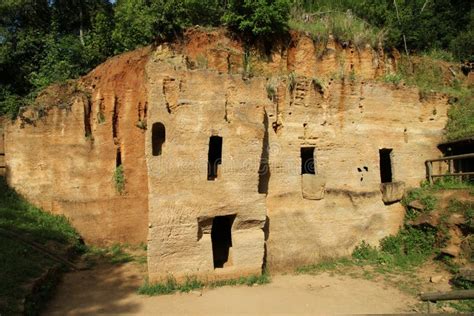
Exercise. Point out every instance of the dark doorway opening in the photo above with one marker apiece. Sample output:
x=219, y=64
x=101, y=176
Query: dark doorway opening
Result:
x=385, y=165
x=221, y=237
x=158, y=137
x=118, y=158
x=214, y=157
x=307, y=160
x=264, y=168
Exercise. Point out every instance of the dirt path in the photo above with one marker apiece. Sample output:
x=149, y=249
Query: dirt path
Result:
x=113, y=289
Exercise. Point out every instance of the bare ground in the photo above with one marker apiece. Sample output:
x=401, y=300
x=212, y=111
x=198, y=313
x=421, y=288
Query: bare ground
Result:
x=113, y=289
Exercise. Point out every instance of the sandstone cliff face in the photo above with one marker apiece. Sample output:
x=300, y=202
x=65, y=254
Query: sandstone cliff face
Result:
x=257, y=121
x=64, y=160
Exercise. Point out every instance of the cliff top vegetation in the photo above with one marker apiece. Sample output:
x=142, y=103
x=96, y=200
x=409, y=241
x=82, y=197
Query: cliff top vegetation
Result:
x=48, y=41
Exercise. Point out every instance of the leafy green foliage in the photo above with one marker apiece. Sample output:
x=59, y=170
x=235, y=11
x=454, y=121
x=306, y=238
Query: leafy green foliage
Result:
x=62, y=60
x=393, y=78
x=131, y=31
x=344, y=27
x=424, y=195
x=119, y=179
x=257, y=18
x=440, y=24
x=43, y=42
x=461, y=115
x=462, y=45
x=410, y=248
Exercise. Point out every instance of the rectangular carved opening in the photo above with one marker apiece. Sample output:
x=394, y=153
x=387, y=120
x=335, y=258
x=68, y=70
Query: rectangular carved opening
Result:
x=221, y=236
x=214, y=157
x=264, y=168
x=118, y=158
x=307, y=160
x=385, y=165
x=158, y=138
x=115, y=119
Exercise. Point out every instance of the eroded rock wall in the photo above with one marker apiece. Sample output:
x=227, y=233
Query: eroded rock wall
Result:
x=63, y=157
x=347, y=124
x=159, y=108
x=184, y=199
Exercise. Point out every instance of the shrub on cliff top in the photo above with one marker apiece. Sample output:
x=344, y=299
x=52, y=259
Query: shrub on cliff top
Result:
x=258, y=18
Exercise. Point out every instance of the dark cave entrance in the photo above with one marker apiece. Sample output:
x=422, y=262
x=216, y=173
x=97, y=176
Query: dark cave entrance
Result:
x=214, y=157
x=158, y=137
x=385, y=155
x=307, y=160
x=221, y=237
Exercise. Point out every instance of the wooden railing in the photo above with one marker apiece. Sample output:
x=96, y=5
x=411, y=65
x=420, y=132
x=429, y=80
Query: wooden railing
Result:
x=451, y=172
x=446, y=296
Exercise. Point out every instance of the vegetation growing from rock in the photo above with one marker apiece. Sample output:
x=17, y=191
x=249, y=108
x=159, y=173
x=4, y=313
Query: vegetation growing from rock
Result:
x=415, y=244
x=119, y=179
x=192, y=283
x=43, y=42
x=432, y=76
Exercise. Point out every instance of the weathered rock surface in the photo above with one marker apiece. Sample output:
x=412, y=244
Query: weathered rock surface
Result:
x=392, y=191
x=255, y=207
x=65, y=161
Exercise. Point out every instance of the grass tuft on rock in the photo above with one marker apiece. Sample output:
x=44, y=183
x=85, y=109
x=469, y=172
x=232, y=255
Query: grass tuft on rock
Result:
x=171, y=286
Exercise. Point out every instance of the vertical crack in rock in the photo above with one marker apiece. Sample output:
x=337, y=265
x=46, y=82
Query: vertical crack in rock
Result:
x=341, y=104
x=101, y=111
x=142, y=112
x=170, y=93
x=118, y=157
x=278, y=100
x=145, y=111
x=226, y=118
x=229, y=66
x=264, y=168
x=139, y=108
x=228, y=104
x=87, y=117
x=115, y=121
x=266, y=234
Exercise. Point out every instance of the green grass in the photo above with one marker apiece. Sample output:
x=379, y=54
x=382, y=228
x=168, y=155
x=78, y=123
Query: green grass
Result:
x=393, y=78
x=19, y=263
x=461, y=114
x=116, y=254
x=343, y=26
x=192, y=283
x=398, y=257
x=119, y=179
x=409, y=249
x=426, y=193
x=426, y=72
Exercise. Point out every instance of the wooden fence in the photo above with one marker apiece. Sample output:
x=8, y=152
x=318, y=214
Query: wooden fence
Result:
x=446, y=296
x=451, y=172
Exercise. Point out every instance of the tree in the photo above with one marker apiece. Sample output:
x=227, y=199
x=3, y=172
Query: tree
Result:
x=134, y=24
x=257, y=18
